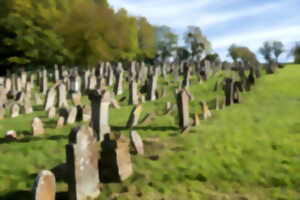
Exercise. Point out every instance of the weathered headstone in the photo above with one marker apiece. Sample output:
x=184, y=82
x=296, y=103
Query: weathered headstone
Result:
x=100, y=109
x=72, y=115
x=115, y=163
x=60, y=122
x=76, y=96
x=15, y=110
x=2, y=113
x=134, y=116
x=206, y=111
x=228, y=89
x=137, y=142
x=50, y=98
x=118, y=88
x=82, y=164
x=37, y=98
x=152, y=87
x=45, y=186
x=37, y=127
x=62, y=96
x=133, y=96
x=183, y=109
x=10, y=135
x=27, y=104
x=51, y=112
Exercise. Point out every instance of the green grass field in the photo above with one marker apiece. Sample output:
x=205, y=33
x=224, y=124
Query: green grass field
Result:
x=250, y=150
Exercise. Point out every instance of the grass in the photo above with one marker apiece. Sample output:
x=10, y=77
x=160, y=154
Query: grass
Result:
x=247, y=151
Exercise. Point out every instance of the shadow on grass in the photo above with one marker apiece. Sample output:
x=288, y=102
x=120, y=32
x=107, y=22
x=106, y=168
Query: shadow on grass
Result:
x=27, y=195
x=31, y=139
x=144, y=128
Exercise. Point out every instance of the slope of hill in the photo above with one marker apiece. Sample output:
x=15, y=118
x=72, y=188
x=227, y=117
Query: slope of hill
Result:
x=247, y=151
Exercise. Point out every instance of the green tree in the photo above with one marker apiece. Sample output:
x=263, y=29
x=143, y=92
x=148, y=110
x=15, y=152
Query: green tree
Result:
x=182, y=54
x=295, y=51
x=214, y=57
x=266, y=50
x=244, y=54
x=278, y=48
x=233, y=52
x=196, y=42
x=146, y=39
x=166, y=41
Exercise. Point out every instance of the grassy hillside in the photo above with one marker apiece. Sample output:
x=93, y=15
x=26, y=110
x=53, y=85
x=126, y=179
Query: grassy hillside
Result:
x=247, y=151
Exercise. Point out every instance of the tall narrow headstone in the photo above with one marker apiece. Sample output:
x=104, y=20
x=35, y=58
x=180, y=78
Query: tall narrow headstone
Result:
x=183, y=109
x=133, y=96
x=134, y=116
x=100, y=101
x=62, y=96
x=82, y=164
x=118, y=88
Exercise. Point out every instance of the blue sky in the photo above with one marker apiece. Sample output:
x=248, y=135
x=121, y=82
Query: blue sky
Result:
x=224, y=22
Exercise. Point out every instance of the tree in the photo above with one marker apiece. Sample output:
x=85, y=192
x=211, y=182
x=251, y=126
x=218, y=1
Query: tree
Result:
x=196, y=42
x=165, y=42
x=244, y=54
x=295, y=51
x=146, y=39
x=266, y=50
x=278, y=48
x=182, y=54
x=214, y=57
x=233, y=52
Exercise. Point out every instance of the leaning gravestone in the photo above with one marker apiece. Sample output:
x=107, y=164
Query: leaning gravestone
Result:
x=50, y=98
x=82, y=164
x=134, y=116
x=115, y=163
x=183, y=109
x=37, y=127
x=44, y=187
x=137, y=142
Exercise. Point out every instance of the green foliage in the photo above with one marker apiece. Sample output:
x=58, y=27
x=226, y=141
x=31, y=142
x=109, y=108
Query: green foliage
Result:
x=295, y=51
x=214, y=57
x=166, y=41
x=182, y=53
x=278, y=48
x=244, y=54
x=196, y=42
x=270, y=48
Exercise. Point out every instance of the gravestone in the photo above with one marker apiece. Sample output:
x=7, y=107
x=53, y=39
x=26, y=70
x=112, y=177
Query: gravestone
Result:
x=133, y=96
x=3, y=96
x=206, y=111
x=10, y=135
x=50, y=98
x=56, y=73
x=152, y=87
x=118, y=87
x=15, y=110
x=134, y=116
x=51, y=112
x=44, y=186
x=115, y=163
x=86, y=113
x=100, y=101
x=228, y=89
x=60, y=122
x=76, y=96
x=196, y=119
x=62, y=96
x=82, y=164
x=187, y=74
x=37, y=127
x=27, y=105
x=72, y=115
x=182, y=100
x=37, y=99
x=137, y=142
x=92, y=82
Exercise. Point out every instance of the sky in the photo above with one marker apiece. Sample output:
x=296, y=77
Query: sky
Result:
x=225, y=22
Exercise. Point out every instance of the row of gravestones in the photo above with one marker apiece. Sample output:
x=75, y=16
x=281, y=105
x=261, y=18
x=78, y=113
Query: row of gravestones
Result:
x=84, y=168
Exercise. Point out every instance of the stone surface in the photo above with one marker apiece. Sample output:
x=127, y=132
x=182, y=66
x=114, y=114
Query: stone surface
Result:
x=37, y=127
x=82, y=164
x=37, y=99
x=100, y=112
x=62, y=96
x=10, y=135
x=115, y=162
x=206, y=112
x=15, y=110
x=183, y=109
x=60, y=122
x=45, y=186
x=86, y=113
x=50, y=98
x=133, y=96
x=137, y=142
x=2, y=113
x=51, y=112
x=72, y=115
x=76, y=96
x=134, y=116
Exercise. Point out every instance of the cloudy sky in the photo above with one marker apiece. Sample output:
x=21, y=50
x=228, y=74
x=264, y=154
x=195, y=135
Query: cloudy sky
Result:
x=224, y=22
